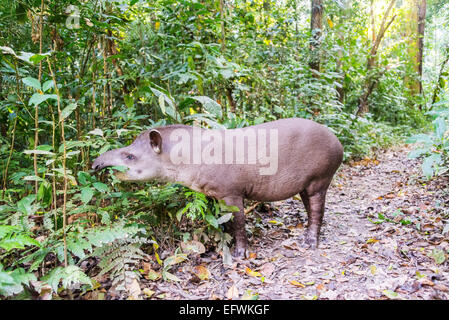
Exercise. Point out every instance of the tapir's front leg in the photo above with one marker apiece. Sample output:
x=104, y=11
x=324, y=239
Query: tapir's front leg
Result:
x=238, y=227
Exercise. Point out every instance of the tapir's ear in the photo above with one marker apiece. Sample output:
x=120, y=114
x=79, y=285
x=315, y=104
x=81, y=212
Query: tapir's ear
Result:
x=156, y=141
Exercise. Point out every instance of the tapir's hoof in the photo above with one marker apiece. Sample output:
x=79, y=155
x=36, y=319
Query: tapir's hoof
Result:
x=240, y=252
x=311, y=242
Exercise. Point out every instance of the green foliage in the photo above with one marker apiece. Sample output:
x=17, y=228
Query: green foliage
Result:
x=170, y=262
x=12, y=282
x=70, y=277
x=121, y=259
x=199, y=207
x=361, y=136
x=13, y=237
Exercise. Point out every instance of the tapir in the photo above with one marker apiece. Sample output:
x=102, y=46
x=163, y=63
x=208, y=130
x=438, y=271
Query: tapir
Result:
x=266, y=162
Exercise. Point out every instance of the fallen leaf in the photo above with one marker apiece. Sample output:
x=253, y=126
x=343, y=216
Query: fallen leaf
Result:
x=202, y=272
x=134, y=290
x=252, y=273
x=170, y=276
x=297, y=284
x=290, y=244
x=192, y=246
x=214, y=297
x=249, y=295
x=148, y=292
x=441, y=287
x=373, y=270
x=152, y=275
x=437, y=255
x=391, y=294
x=320, y=287
x=267, y=269
x=175, y=259
x=426, y=282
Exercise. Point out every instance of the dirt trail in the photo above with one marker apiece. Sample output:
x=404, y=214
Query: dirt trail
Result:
x=381, y=239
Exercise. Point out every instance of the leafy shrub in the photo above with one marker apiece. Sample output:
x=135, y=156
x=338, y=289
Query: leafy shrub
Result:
x=434, y=146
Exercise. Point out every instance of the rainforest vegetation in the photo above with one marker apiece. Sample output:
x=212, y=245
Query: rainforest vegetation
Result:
x=78, y=78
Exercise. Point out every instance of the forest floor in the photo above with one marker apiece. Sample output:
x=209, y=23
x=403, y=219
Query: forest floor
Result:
x=384, y=237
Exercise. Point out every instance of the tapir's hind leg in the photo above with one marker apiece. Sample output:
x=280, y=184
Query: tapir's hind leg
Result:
x=305, y=201
x=238, y=227
x=314, y=204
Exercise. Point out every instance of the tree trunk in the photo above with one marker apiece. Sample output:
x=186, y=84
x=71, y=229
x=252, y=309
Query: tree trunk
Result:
x=414, y=26
x=341, y=36
x=230, y=98
x=422, y=8
x=440, y=83
x=316, y=26
x=371, y=80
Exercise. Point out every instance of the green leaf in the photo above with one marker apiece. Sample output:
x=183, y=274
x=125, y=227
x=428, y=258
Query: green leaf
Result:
x=162, y=104
x=105, y=216
x=11, y=282
x=428, y=165
x=212, y=220
x=416, y=153
x=225, y=208
x=32, y=82
x=225, y=218
x=119, y=168
x=440, y=127
x=180, y=213
x=5, y=229
x=36, y=58
x=171, y=108
x=70, y=275
x=424, y=138
x=97, y=132
x=24, y=205
x=391, y=294
x=438, y=255
x=84, y=177
x=18, y=242
x=38, y=98
x=39, y=152
x=47, y=85
x=86, y=194
x=129, y=101
x=53, y=278
x=170, y=276
x=210, y=105
x=77, y=247
x=101, y=187
x=67, y=111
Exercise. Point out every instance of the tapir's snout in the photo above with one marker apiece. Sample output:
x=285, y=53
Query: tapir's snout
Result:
x=102, y=162
x=98, y=164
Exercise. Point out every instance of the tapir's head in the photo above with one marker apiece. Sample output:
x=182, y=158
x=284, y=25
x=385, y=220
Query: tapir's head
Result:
x=142, y=158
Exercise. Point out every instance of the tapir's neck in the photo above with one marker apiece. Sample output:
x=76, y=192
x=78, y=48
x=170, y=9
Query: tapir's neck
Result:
x=180, y=174
x=183, y=172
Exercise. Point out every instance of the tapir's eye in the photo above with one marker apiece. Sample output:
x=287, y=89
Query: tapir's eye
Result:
x=130, y=157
